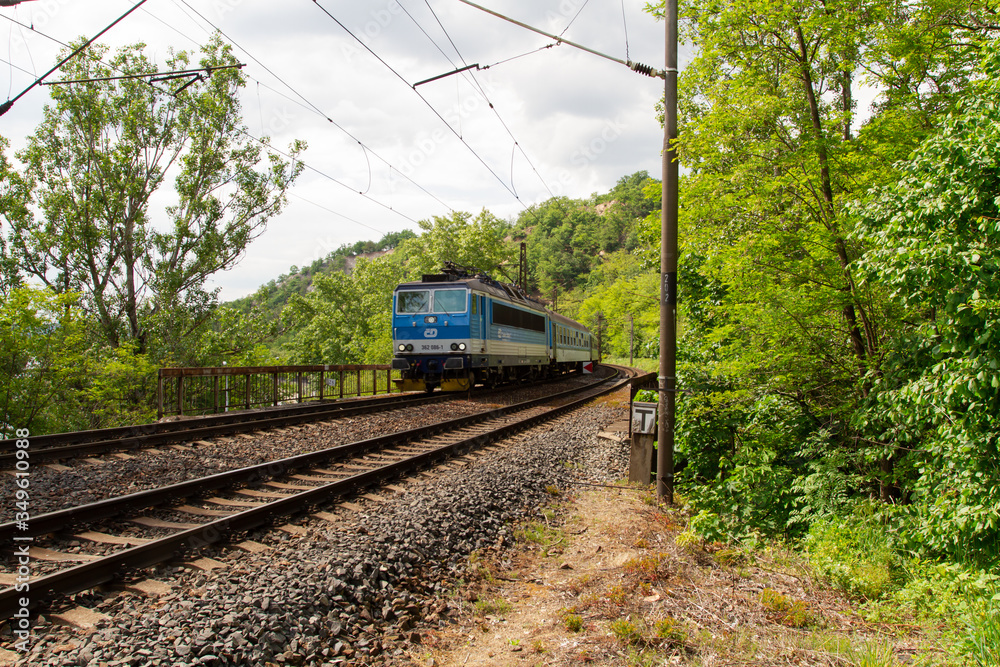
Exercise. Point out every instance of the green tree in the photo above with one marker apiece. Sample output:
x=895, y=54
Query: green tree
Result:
x=346, y=319
x=41, y=358
x=14, y=198
x=935, y=246
x=103, y=150
x=460, y=238
x=786, y=336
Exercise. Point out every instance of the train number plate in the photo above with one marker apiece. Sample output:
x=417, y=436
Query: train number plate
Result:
x=431, y=347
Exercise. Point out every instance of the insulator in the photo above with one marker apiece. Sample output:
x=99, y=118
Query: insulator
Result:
x=642, y=69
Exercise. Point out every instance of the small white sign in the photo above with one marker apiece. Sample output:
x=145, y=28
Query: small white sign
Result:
x=644, y=418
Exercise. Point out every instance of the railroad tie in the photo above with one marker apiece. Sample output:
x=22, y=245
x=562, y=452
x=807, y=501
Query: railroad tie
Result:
x=199, y=511
x=253, y=547
x=253, y=493
x=104, y=538
x=150, y=588
x=39, y=553
x=226, y=502
x=205, y=564
x=313, y=478
x=290, y=487
x=150, y=522
x=79, y=617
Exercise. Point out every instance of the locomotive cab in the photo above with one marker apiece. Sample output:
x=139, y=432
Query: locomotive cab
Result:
x=431, y=336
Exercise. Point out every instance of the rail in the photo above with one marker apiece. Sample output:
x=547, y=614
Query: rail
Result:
x=214, y=389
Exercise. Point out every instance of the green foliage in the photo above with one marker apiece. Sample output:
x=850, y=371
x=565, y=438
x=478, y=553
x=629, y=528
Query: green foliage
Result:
x=41, y=357
x=103, y=150
x=671, y=631
x=122, y=390
x=271, y=298
x=935, y=235
x=854, y=554
x=475, y=242
x=572, y=622
x=984, y=635
x=346, y=319
x=492, y=607
x=568, y=239
x=627, y=632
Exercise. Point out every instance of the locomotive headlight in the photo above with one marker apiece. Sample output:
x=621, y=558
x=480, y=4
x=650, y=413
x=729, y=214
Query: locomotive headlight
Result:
x=461, y=346
x=402, y=347
x=409, y=348
x=454, y=346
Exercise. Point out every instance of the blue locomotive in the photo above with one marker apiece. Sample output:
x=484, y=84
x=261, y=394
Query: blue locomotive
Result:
x=460, y=328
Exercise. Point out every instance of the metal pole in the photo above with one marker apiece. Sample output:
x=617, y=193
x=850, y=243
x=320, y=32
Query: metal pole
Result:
x=667, y=379
x=631, y=338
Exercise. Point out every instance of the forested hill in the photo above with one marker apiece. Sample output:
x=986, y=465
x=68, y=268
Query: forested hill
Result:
x=576, y=248
x=270, y=298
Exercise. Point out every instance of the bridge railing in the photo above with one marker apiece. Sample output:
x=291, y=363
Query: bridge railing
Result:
x=200, y=391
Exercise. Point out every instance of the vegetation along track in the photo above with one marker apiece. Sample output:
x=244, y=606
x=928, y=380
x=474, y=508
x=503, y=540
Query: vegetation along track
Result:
x=78, y=444
x=303, y=484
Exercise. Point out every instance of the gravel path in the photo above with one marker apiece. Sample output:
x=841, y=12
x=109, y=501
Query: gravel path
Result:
x=353, y=592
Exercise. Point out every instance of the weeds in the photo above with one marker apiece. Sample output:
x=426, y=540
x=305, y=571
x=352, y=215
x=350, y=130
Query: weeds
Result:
x=648, y=567
x=541, y=534
x=670, y=631
x=492, y=607
x=793, y=613
x=626, y=632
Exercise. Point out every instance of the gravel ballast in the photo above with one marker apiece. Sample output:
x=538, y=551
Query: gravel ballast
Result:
x=358, y=591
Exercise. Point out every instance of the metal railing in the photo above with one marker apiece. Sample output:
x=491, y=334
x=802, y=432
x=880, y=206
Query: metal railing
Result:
x=200, y=391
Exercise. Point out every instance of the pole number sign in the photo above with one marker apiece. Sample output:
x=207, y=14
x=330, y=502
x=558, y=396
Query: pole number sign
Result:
x=644, y=418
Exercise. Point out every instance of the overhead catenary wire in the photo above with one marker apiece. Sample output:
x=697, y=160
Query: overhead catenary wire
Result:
x=625, y=25
x=313, y=107
x=5, y=107
x=486, y=97
x=259, y=140
x=576, y=16
x=635, y=67
x=422, y=98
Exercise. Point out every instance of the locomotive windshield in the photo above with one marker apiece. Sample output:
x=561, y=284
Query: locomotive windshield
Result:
x=413, y=301
x=447, y=301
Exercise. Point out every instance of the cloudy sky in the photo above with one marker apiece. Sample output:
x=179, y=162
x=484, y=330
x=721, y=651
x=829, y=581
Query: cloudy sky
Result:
x=563, y=122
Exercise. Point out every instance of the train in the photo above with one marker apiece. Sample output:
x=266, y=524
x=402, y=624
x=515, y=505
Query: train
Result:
x=461, y=328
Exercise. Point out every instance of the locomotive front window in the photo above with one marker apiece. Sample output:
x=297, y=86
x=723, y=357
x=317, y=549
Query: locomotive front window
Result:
x=450, y=301
x=413, y=301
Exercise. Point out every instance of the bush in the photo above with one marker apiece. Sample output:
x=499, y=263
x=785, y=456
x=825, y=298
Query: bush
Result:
x=854, y=555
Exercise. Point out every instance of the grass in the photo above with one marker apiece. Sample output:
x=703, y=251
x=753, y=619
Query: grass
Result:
x=541, y=534
x=492, y=607
x=627, y=633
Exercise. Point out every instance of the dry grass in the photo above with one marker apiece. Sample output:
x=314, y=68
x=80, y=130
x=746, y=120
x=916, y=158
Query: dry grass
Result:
x=623, y=593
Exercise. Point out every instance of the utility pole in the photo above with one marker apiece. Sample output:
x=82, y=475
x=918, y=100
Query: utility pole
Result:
x=667, y=378
x=522, y=272
x=600, y=335
x=631, y=338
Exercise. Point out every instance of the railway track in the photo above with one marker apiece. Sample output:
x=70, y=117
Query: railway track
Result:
x=80, y=444
x=219, y=506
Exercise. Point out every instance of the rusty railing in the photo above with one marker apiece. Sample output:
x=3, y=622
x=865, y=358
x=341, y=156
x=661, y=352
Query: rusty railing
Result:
x=200, y=391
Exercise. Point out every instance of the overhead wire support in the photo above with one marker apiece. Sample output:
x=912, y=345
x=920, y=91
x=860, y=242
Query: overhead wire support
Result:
x=422, y=98
x=634, y=66
x=5, y=107
x=154, y=77
x=476, y=85
x=447, y=74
